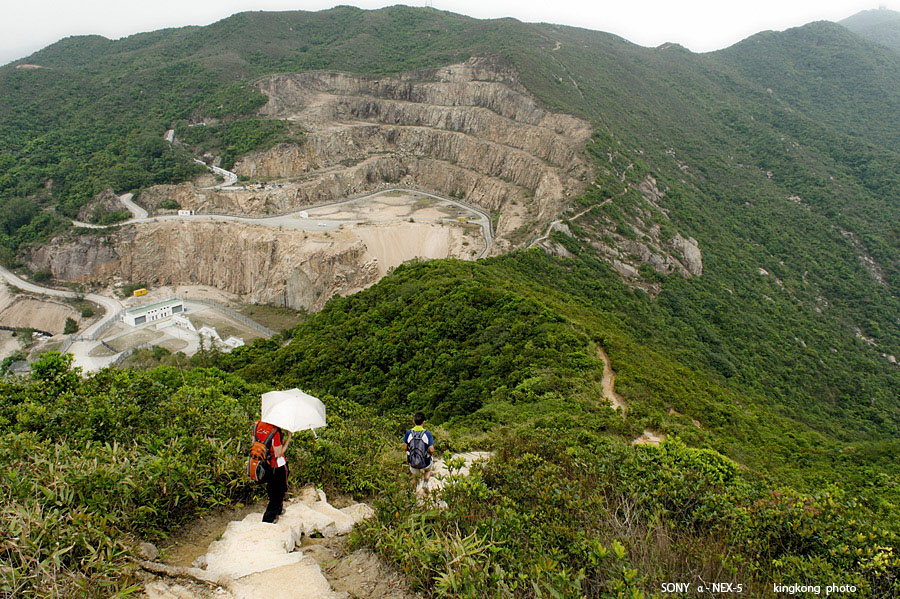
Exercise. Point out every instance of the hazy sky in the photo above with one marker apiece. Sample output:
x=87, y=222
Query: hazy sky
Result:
x=700, y=25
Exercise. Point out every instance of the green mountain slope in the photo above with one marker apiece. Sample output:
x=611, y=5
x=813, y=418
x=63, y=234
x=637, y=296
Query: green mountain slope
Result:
x=829, y=73
x=882, y=26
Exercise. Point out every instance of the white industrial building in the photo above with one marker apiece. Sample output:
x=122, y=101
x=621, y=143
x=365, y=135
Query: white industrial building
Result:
x=151, y=312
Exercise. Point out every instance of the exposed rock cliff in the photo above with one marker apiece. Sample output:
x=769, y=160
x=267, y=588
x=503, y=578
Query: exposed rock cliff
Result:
x=266, y=265
x=468, y=130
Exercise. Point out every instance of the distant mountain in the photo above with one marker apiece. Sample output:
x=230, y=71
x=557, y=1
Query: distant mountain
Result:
x=828, y=73
x=881, y=25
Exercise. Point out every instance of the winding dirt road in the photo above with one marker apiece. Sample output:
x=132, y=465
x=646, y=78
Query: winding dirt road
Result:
x=294, y=220
x=111, y=305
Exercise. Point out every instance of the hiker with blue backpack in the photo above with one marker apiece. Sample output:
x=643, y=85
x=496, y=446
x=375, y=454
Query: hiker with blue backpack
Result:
x=419, y=444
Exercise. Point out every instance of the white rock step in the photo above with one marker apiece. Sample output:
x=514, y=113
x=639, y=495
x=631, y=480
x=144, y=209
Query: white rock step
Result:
x=258, y=560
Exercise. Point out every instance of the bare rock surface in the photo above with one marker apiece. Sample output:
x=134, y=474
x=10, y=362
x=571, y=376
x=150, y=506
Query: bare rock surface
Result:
x=269, y=262
x=254, y=559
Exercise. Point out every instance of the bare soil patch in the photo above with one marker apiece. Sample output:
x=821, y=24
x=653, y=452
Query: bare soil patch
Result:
x=8, y=344
x=138, y=337
x=26, y=312
x=273, y=317
x=173, y=345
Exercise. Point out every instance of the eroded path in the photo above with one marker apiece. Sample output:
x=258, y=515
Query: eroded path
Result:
x=608, y=383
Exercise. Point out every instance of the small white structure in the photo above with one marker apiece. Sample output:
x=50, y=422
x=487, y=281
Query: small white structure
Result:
x=185, y=213
x=233, y=342
x=152, y=312
x=304, y=214
x=209, y=333
x=184, y=322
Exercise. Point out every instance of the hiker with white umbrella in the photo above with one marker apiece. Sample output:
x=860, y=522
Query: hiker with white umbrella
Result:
x=283, y=413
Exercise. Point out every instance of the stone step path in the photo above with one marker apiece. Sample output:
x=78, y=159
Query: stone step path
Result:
x=440, y=472
x=256, y=560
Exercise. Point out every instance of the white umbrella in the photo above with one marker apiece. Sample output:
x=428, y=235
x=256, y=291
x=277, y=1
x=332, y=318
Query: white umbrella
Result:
x=292, y=410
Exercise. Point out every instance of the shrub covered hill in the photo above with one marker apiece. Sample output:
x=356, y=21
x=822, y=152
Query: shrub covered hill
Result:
x=770, y=374
x=882, y=26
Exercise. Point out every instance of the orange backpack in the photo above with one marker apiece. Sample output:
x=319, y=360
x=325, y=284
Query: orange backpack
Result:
x=258, y=466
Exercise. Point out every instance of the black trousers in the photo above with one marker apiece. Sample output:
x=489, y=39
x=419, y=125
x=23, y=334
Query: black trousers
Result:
x=276, y=487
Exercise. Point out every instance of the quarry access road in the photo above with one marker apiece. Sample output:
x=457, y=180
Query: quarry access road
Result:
x=294, y=221
x=135, y=210
x=138, y=214
x=111, y=305
x=230, y=178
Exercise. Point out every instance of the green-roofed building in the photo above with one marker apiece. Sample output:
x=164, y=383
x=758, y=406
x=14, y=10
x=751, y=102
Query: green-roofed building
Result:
x=150, y=312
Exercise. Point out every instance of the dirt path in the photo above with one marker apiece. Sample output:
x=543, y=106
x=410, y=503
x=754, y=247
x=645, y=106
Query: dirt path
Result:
x=608, y=383
x=234, y=555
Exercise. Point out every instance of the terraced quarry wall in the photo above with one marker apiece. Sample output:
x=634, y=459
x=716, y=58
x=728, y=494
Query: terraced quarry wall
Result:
x=265, y=263
x=468, y=131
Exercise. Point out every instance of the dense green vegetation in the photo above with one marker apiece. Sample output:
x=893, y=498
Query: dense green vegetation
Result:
x=790, y=472
x=91, y=464
x=568, y=506
x=232, y=139
x=882, y=26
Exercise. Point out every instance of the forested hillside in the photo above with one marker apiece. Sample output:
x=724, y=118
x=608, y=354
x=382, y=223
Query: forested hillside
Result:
x=771, y=370
x=882, y=26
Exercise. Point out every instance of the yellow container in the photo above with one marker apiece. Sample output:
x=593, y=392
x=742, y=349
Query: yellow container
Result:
x=140, y=292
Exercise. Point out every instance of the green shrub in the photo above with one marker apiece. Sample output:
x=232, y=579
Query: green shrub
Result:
x=70, y=327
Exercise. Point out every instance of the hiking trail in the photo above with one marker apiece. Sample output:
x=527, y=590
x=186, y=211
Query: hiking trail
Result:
x=608, y=384
x=301, y=556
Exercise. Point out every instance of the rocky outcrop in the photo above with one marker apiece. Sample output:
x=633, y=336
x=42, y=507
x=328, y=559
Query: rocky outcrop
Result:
x=691, y=257
x=104, y=202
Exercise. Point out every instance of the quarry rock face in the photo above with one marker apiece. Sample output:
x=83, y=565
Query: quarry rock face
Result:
x=470, y=131
x=267, y=265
